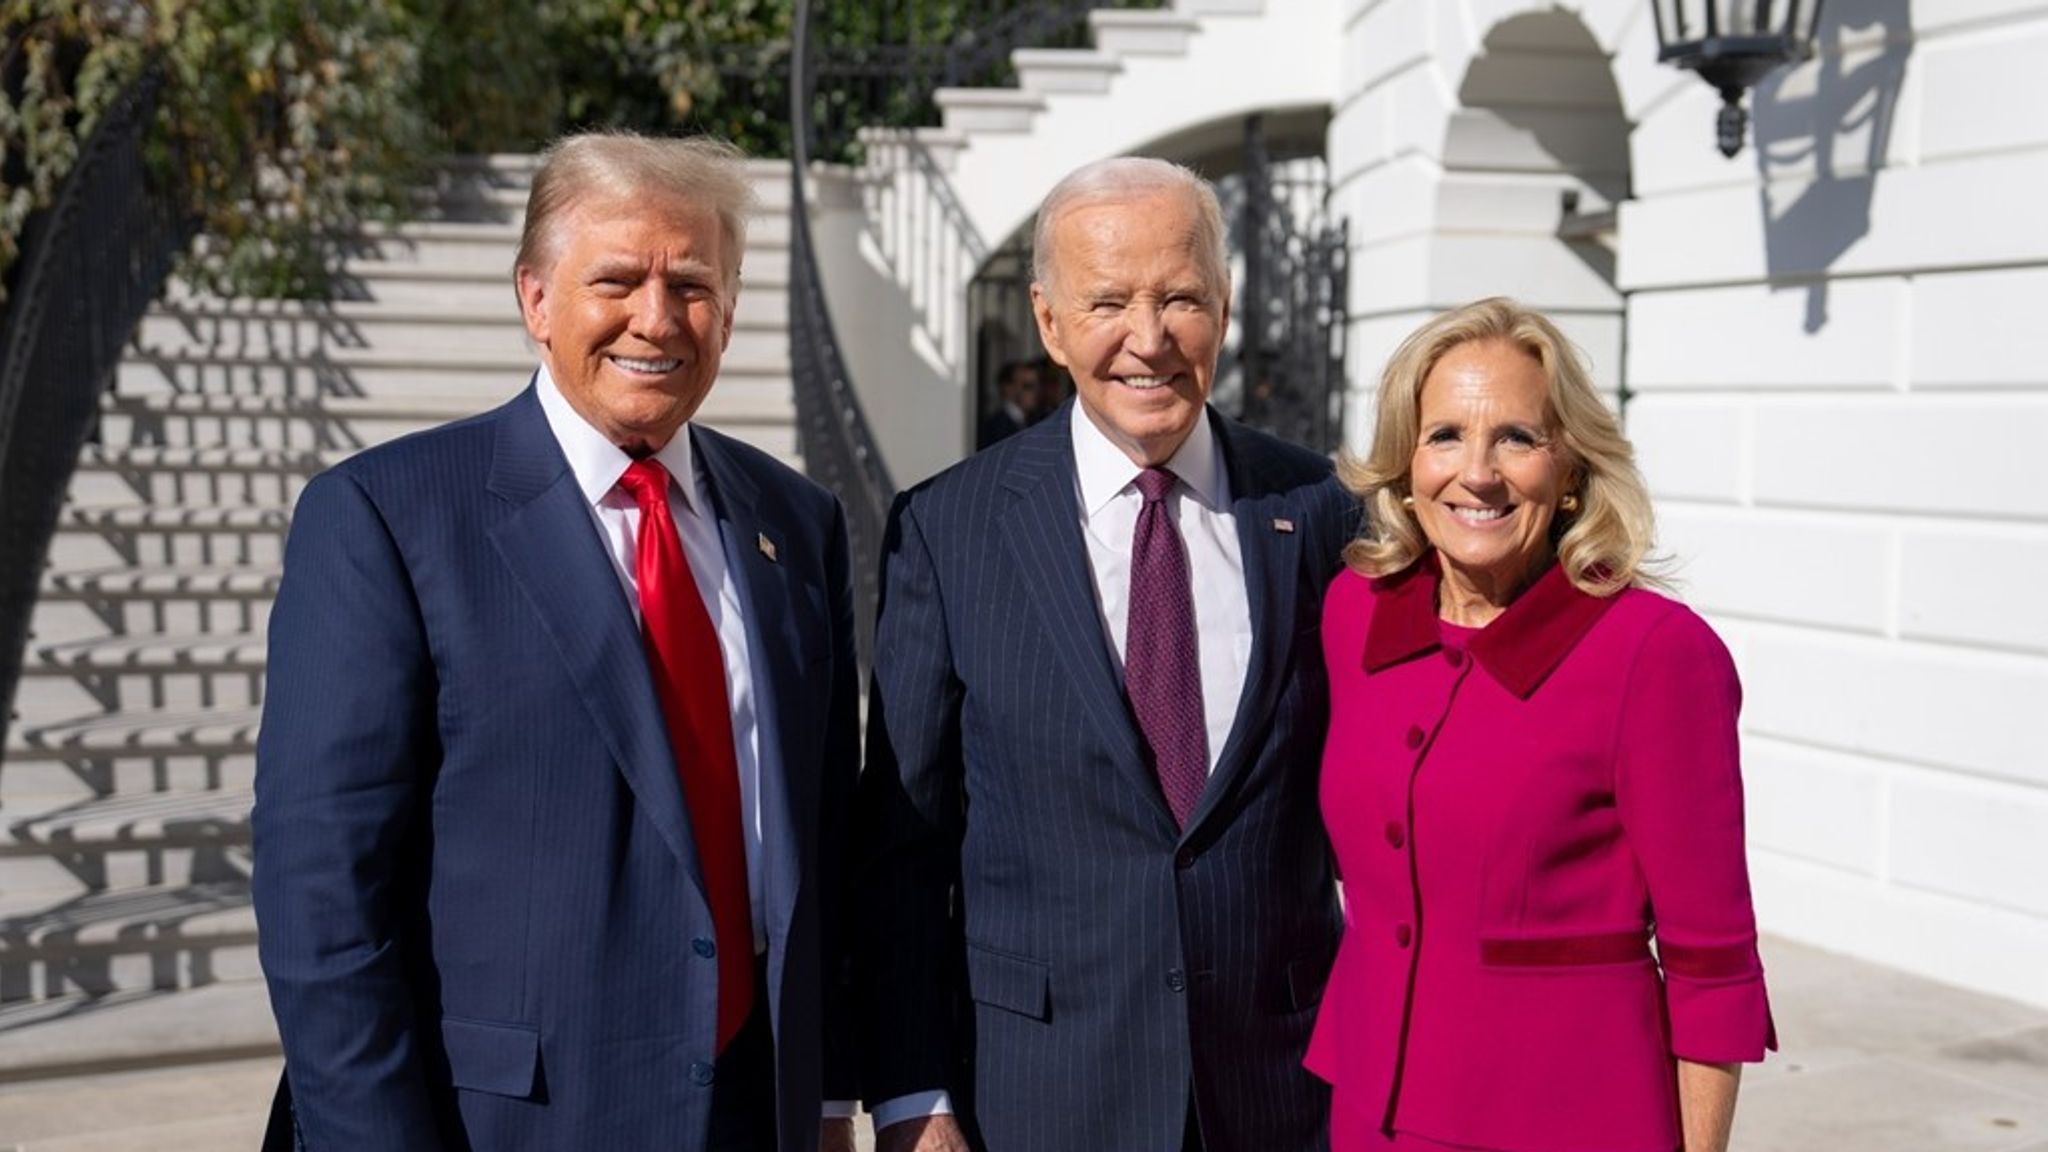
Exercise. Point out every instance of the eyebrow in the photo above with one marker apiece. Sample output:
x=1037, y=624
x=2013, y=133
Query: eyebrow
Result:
x=616, y=265
x=609, y=266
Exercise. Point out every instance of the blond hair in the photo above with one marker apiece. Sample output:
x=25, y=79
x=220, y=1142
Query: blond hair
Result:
x=1604, y=546
x=614, y=166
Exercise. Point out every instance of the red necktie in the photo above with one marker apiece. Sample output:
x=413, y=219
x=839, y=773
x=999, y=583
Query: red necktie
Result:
x=689, y=679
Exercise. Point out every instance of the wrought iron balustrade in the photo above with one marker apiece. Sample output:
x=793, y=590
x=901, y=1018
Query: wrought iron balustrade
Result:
x=90, y=264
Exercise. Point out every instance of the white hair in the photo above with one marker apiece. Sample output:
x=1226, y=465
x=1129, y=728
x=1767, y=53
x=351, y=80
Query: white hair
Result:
x=1122, y=178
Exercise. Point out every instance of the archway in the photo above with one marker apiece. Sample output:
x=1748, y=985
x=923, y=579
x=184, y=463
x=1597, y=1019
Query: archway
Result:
x=1535, y=161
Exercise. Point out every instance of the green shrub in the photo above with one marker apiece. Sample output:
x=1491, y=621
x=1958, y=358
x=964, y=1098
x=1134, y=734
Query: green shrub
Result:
x=281, y=125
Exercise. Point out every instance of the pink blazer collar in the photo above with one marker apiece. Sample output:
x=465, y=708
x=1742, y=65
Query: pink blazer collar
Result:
x=1520, y=649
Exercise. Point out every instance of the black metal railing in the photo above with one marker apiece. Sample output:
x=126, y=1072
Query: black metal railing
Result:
x=90, y=264
x=838, y=447
x=1289, y=361
x=875, y=64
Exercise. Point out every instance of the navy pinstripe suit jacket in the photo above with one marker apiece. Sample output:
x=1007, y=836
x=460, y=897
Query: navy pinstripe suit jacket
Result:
x=1037, y=935
x=482, y=919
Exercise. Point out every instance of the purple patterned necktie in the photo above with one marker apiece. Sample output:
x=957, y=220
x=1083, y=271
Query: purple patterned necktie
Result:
x=1162, y=673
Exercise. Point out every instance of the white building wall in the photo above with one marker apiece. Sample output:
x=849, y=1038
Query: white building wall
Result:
x=1841, y=404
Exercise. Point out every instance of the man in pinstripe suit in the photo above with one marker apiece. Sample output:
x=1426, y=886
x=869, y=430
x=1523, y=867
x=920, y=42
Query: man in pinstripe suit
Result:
x=1098, y=909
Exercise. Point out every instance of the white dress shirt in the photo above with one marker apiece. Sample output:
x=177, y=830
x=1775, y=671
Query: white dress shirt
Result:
x=1109, y=501
x=1200, y=506
x=597, y=464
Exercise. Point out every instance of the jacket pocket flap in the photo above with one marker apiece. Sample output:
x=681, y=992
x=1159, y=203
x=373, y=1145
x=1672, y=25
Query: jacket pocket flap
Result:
x=1013, y=983
x=495, y=1058
x=1306, y=976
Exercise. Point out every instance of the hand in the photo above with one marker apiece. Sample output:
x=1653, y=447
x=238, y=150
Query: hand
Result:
x=923, y=1134
x=836, y=1135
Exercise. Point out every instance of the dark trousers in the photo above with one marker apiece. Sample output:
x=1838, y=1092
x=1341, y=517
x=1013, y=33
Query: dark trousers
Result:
x=743, y=1089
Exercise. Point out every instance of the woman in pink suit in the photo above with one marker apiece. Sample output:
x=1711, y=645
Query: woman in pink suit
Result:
x=1531, y=775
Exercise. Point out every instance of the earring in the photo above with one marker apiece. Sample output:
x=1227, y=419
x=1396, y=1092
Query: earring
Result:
x=1570, y=502
x=1407, y=501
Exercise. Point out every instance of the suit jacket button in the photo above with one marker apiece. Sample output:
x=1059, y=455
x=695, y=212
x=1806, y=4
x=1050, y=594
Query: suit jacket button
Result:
x=1455, y=656
x=1403, y=935
x=1396, y=836
x=1414, y=736
x=703, y=946
x=1184, y=859
x=701, y=1074
x=1176, y=980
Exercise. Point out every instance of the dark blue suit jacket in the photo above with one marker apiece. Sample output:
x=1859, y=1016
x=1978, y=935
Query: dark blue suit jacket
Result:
x=1020, y=850
x=482, y=919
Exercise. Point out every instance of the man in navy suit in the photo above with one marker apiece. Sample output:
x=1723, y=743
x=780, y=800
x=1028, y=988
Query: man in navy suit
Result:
x=1098, y=910
x=561, y=731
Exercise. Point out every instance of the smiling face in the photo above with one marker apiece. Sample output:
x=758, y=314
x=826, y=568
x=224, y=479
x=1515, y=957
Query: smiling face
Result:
x=1487, y=474
x=1135, y=315
x=633, y=314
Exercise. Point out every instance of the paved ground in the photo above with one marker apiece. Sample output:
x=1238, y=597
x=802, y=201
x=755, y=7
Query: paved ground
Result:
x=1873, y=1061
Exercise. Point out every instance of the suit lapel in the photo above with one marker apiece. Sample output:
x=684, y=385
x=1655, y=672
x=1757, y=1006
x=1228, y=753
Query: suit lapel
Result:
x=1272, y=557
x=1042, y=530
x=550, y=545
x=777, y=629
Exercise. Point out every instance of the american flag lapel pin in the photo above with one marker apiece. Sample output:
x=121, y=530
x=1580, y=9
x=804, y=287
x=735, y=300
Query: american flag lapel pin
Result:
x=766, y=546
x=1282, y=524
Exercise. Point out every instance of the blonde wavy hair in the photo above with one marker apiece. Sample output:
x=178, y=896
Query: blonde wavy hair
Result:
x=1604, y=546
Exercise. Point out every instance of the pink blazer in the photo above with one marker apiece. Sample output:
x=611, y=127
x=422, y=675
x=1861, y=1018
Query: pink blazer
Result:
x=1517, y=812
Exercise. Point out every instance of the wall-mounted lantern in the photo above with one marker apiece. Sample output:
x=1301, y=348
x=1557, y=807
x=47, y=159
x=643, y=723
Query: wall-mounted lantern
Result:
x=1732, y=44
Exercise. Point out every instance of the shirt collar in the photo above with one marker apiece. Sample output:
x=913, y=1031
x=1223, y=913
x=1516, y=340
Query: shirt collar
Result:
x=1520, y=648
x=1105, y=471
x=596, y=462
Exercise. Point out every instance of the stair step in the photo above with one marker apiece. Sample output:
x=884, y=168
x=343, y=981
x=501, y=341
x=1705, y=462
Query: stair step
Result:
x=1142, y=31
x=81, y=604
x=138, y=752
x=1004, y=110
x=153, y=820
x=206, y=732
x=209, y=670
x=230, y=652
x=214, y=458
x=222, y=583
x=159, y=518
x=64, y=846
x=159, y=938
x=80, y=1035
x=1065, y=70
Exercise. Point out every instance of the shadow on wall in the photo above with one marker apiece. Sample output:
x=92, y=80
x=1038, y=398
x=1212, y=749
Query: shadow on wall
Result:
x=1824, y=132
